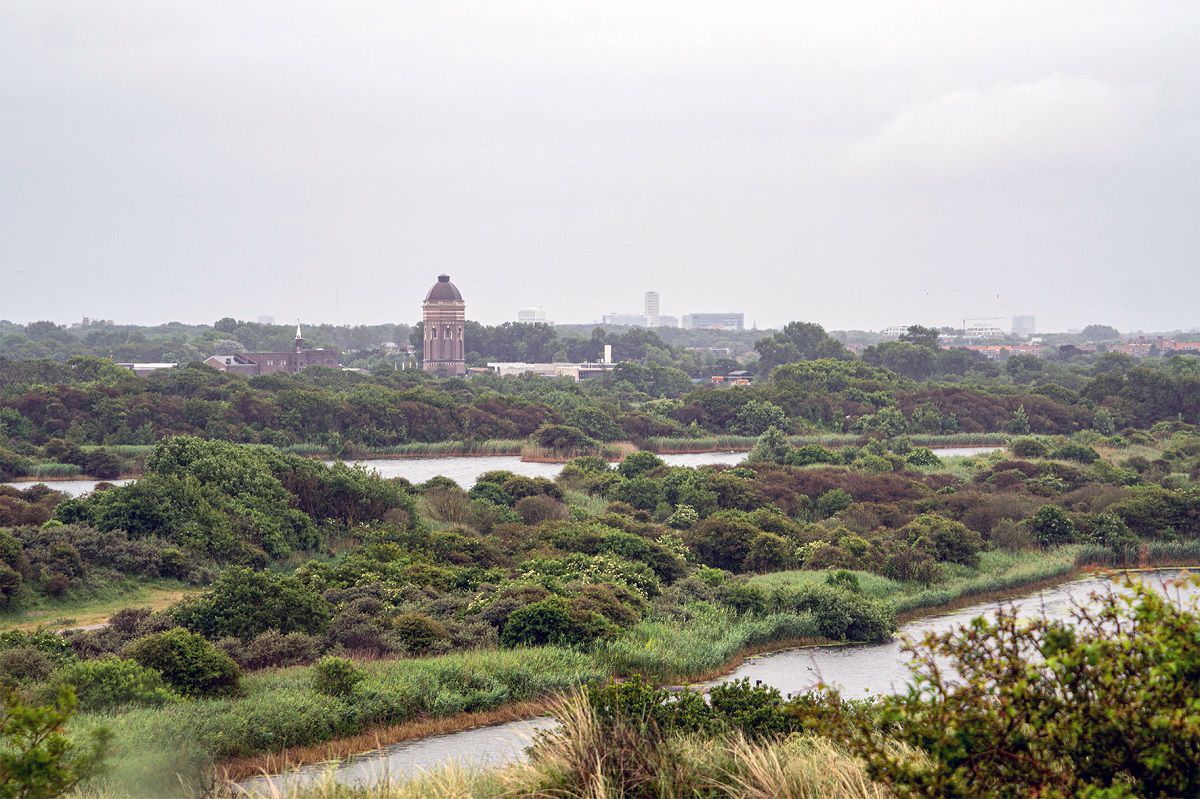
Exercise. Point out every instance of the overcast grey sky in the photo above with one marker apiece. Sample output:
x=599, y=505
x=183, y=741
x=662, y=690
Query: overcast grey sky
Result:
x=858, y=164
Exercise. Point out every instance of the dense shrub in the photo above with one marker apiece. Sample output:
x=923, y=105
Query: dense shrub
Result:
x=190, y=664
x=638, y=463
x=244, y=603
x=1076, y=452
x=1051, y=526
x=553, y=621
x=1101, y=689
x=540, y=508
x=722, y=541
x=336, y=676
x=769, y=552
x=21, y=664
x=948, y=541
x=833, y=502
x=110, y=682
x=273, y=648
x=1026, y=447
x=418, y=633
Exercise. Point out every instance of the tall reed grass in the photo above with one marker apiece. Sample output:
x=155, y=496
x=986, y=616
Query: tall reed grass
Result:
x=54, y=470
x=999, y=571
x=609, y=450
x=675, y=444
x=418, y=449
x=668, y=650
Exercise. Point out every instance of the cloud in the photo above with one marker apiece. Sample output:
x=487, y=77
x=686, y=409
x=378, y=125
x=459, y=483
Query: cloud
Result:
x=1054, y=122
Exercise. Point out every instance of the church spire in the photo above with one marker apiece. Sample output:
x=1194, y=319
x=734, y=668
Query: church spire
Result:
x=299, y=336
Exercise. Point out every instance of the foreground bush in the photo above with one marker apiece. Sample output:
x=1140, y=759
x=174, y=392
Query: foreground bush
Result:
x=37, y=761
x=1014, y=708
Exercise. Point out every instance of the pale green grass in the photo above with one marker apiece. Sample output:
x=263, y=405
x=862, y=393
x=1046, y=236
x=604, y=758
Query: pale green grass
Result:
x=95, y=607
x=1000, y=570
x=588, y=504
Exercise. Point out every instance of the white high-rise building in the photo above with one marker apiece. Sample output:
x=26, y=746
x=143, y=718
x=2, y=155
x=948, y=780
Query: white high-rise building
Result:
x=532, y=316
x=652, y=318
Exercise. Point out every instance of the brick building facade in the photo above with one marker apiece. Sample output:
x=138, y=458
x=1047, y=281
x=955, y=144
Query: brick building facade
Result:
x=444, y=314
x=265, y=363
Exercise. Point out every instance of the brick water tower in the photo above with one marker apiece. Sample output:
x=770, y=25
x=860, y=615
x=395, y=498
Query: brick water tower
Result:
x=445, y=317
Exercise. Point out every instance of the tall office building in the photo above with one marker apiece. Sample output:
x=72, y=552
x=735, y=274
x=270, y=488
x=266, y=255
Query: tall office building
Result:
x=1024, y=326
x=714, y=321
x=533, y=316
x=652, y=309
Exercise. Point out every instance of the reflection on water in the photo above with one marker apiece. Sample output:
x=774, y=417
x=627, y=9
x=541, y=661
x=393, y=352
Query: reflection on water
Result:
x=76, y=488
x=465, y=471
x=857, y=670
x=482, y=746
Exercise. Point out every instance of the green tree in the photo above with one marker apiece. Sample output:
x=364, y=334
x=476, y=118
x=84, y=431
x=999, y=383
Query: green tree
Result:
x=798, y=341
x=921, y=336
x=37, y=759
x=243, y=603
x=1051, y=526
x=771, y=447
x=1019, y=423
x=758, y=416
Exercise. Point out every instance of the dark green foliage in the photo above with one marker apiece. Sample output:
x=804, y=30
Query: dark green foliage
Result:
x=947, y=540
x=845, y=580
x=840, y=614
x=722, y=540
x=490, y=492
x=336, y=676
x=419, y=634
x=833, y=502
x=37, y=759
x=1028, y=448
x=244, y=603
x=758, y=416
x=229, y=502
x=638, y=463
x=111, y=682
x=1051, y=526
x=1076, y=452
x=755, y=711
x=553, y=621
x=190, y=664
x=562, y=438
x=810, y=454
x=641, y=492
x=921, y=456
x=769, y=552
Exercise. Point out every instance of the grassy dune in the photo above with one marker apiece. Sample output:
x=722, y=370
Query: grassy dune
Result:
x=96, y=607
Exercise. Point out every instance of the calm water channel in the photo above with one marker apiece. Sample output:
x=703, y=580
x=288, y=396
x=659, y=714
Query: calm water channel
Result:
x=464, y=471
x=858, y=670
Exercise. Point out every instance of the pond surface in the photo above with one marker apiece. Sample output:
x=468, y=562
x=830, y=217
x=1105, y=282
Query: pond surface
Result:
x=465, y=471
x=857, y=670
x=76, y=488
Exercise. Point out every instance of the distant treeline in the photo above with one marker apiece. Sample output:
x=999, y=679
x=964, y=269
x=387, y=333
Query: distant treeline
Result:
x=816, y=386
